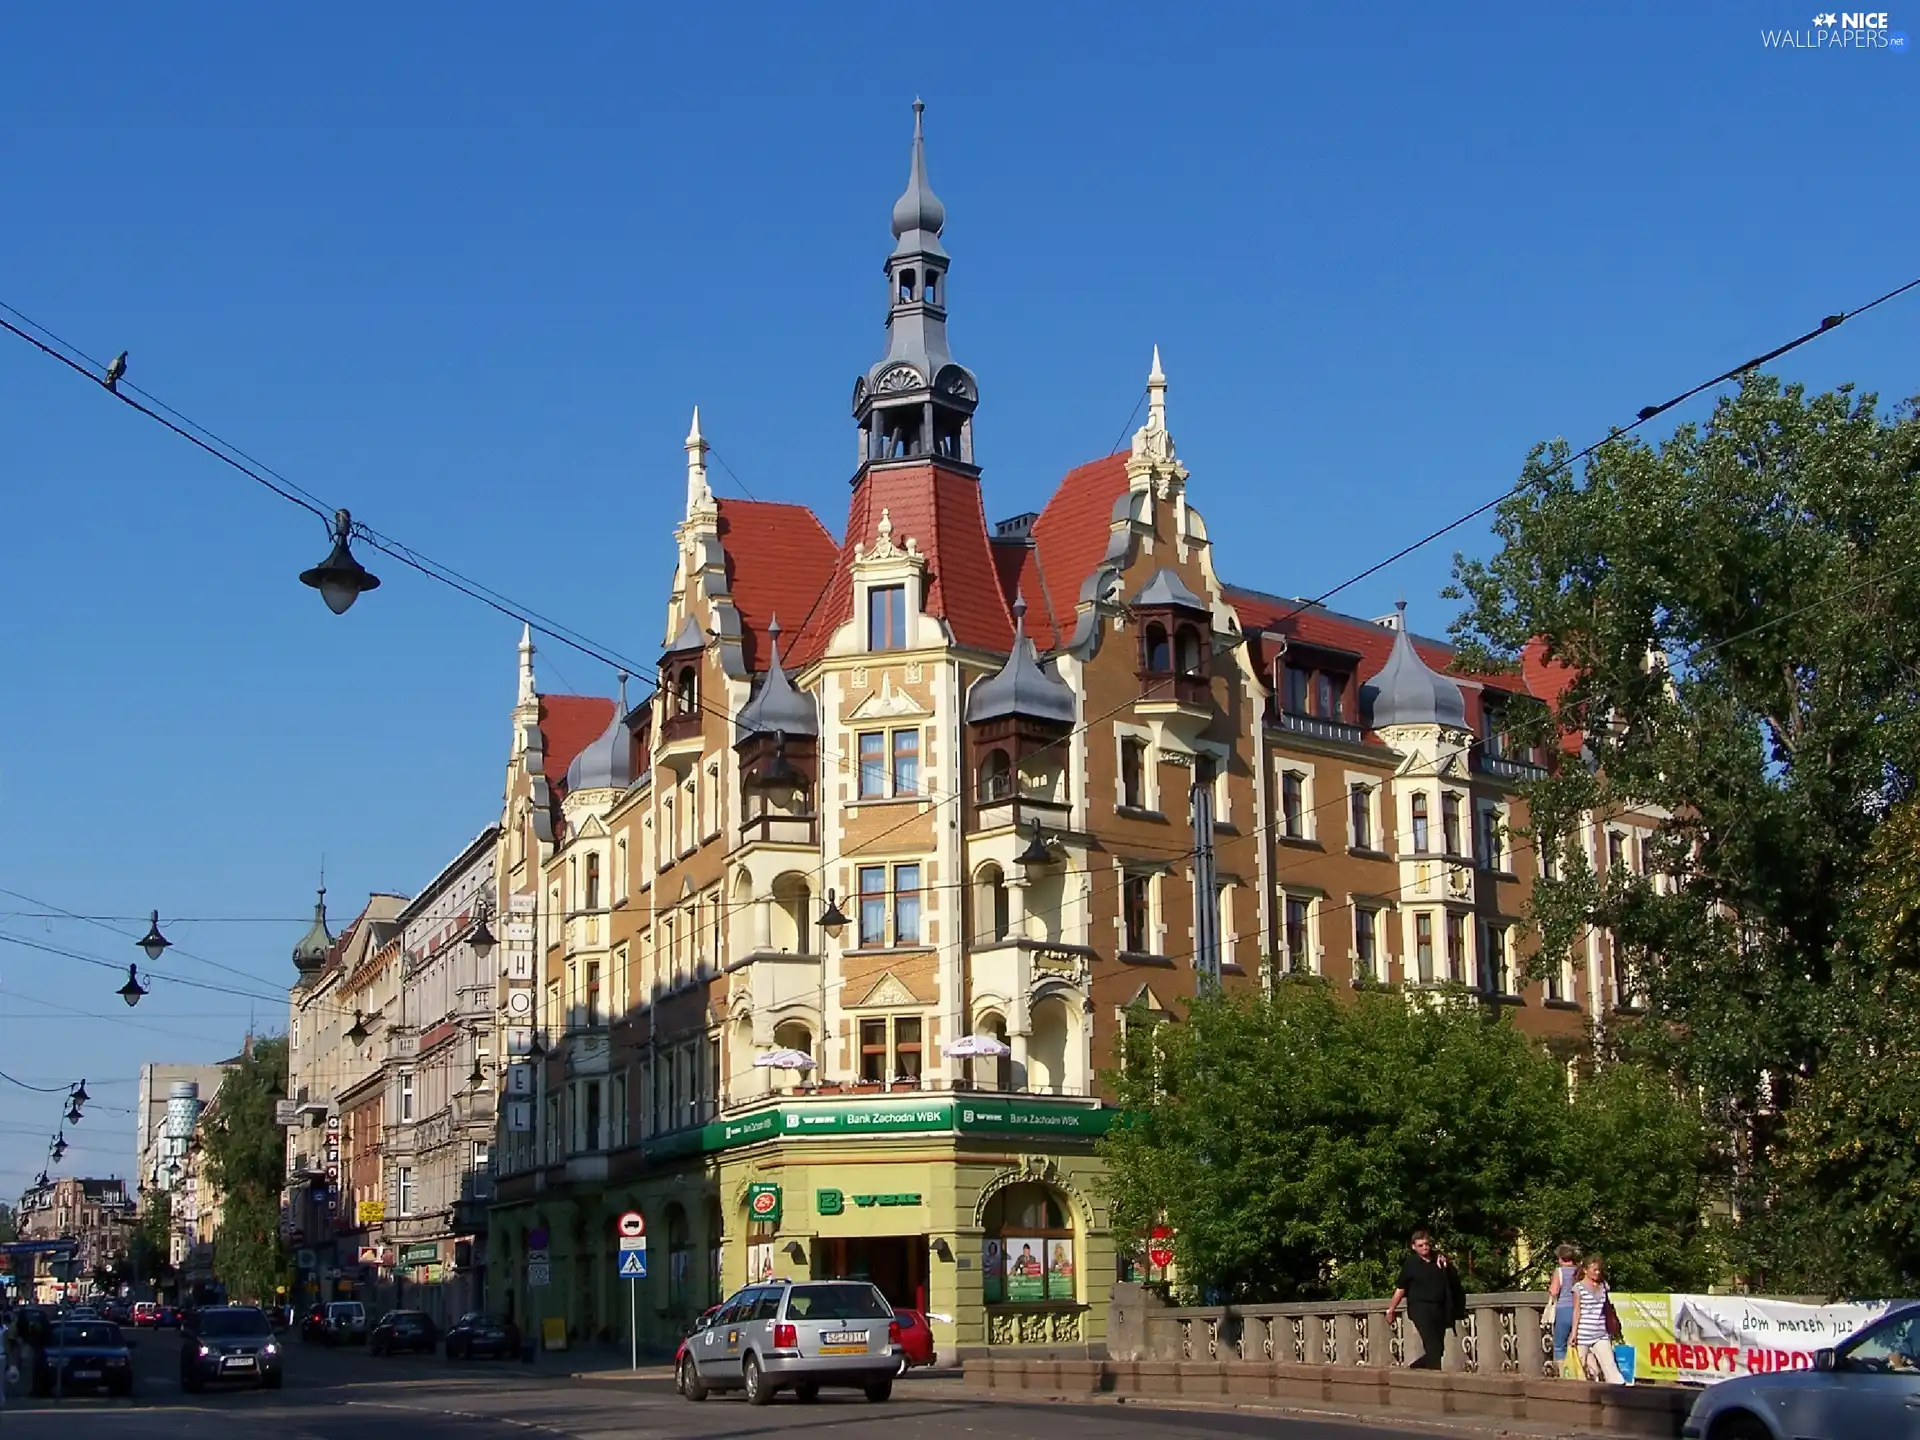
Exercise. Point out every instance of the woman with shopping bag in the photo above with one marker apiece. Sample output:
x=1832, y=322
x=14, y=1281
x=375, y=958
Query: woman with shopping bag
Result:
x=1595, y=1326
x=1558, y=1316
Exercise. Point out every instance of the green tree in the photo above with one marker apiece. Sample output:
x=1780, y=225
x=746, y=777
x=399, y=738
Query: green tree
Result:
x=149, y=1248
x=9, y=1226
x=246, y=1154
x=1292, y=1144
x=1735, y=611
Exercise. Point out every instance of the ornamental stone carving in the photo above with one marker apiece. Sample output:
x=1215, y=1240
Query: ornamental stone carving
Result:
x=900, y=377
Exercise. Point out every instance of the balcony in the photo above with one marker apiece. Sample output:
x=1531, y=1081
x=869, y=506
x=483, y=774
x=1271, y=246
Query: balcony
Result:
x=682, y=733
x=773, y=829
x=1319, y=728
x=402, y=1044
x=585, y=930
x=475, y=1107
x=1000, y=805
x=475, y=1004
x=397, y=1140
x=1503, y=767
x=1174, y=695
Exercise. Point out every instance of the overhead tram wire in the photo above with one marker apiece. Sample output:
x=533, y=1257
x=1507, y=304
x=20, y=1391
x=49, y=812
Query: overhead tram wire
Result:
x=104, y=925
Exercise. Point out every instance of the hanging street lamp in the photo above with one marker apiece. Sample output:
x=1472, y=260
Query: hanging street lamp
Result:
x=153, y=942
x=133, y=989
x=340, y=578
x=1036, y=852
x=357, y=1032
x=481, y=941
x=831, y=919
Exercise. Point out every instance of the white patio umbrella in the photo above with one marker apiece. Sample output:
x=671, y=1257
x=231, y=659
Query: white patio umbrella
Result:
x=968, y=1046
x=783, y=1059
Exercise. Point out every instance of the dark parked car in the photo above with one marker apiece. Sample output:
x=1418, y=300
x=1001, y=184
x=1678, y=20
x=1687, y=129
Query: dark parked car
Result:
x=223, y=1343
x=479, y=1334
x=403, y=1330
x=79, y=1355
x=313, y=1324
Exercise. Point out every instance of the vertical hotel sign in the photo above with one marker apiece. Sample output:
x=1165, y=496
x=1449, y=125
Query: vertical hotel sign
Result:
x=516, y=964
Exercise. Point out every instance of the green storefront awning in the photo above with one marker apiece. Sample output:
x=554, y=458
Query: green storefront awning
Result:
x=973, y=1114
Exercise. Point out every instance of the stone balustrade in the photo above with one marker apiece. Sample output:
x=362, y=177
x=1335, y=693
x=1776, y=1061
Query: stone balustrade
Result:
x=1501, y=1335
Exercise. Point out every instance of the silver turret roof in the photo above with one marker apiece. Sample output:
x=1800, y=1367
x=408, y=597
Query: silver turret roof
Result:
x=690, y=637
x=918, y=209
x=1165, y=587
x=310, y=954
x=777, y=707
x=607, y=762
x=1023, y=686
x=1408, y=692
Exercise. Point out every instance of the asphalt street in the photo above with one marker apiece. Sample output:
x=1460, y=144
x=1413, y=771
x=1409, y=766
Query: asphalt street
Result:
x=349, y=1395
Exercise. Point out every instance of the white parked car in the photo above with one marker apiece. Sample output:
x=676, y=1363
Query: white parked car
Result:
x=1866, y=1388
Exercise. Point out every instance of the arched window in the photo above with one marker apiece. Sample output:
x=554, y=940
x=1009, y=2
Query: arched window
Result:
x=996, y=776
x=794, y=1035
x=1154, y=647
x=991, y=916
x=686, y=692
x=906, y=286
x=1420, y=822
x=991, y=1072
x=1187, y=650
x=792, y=928
x=1029, y=1253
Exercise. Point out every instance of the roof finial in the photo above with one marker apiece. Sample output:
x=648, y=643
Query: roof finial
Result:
x=918, y=208
x=1156, y=394
x=621, y=712
x=699, y=495
x=526, y=691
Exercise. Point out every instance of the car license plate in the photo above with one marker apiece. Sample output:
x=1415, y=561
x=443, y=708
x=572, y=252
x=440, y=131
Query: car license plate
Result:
x=237, y=1362
x=86, y=1374
x=843, y=1342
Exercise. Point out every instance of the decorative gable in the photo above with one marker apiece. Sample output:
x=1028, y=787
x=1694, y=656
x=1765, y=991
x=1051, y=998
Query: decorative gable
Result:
x=887, y=703
x=889, y=992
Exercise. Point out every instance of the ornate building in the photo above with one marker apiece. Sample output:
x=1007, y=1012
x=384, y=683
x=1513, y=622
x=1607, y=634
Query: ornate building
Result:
x=818, y=953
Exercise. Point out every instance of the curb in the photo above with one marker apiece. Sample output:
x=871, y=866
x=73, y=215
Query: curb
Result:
x=1423, y=1424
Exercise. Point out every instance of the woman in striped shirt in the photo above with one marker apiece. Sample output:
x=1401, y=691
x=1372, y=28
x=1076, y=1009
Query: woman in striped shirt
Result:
x=1593, y=1323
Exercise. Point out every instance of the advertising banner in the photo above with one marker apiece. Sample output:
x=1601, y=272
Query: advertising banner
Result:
x=760, y=1263
x=1698, y=1339
x=1059, y=1269
x=1026, y=1269
x=993, y=1271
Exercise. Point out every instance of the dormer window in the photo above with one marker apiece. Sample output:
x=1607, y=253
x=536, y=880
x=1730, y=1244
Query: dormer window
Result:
x=1315, y=690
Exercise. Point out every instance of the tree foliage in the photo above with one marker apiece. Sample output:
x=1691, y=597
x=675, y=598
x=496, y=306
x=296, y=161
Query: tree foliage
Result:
x=9, y=1226
x=150, y=1248
x=1735, y=609
x=246, y=1154
x=1293, y=1143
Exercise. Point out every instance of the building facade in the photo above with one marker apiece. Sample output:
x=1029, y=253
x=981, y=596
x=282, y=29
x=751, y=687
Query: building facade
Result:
x=169, y=1104
x=817, y=954
x=97, y=1216
x=442, y=1088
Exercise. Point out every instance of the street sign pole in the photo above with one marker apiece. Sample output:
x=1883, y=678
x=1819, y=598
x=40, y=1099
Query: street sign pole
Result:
x=631, y=1230
x=633, y=1324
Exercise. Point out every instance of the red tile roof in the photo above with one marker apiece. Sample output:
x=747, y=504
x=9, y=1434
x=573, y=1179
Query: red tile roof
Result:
x=779, y=561
x=568, y=724
x=1070, y=537
x=939, y=510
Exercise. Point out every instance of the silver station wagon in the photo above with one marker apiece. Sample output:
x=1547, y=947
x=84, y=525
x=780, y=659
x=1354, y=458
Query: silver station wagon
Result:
x=798, y=1335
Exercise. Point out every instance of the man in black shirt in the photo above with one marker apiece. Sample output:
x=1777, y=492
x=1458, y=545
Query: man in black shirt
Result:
x=1430, y=1288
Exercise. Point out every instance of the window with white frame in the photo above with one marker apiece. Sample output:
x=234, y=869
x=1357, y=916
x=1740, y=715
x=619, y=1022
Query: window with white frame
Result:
x=881, y=901
x=403, y=1188
x=1495, y=978
x=1423, y=971
x=889, y=764
x=1296, y=934
x=1450, y=823
x=1136, y=773
x=1493, y=839
x=1366, y=942
x=406, y=1096
x=1360, y=826
x=886, y=617
x=1136, y=905
x=891, y=1048
x=1294, y=806
x=1421, y=821
x=1456, y=928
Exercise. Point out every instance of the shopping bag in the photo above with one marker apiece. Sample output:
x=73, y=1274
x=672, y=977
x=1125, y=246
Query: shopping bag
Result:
x=1570, y=1367
x=1623, y=1357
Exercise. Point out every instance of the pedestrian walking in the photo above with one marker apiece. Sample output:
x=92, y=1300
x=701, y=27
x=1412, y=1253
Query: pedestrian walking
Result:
x=1430, y=1288
x=1595, y=1327
x=1560, y=1303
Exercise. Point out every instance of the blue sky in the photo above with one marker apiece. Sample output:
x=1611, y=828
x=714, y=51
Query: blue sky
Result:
x=467, y=269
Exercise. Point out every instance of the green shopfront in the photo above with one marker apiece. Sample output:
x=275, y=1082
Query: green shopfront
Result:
x=982, y=1209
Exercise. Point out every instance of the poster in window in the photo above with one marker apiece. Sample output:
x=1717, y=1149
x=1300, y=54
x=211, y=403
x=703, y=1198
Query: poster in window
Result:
x=1026, y=1269
x=1059, y=1269
x=993, y=1271
x=760, y=1263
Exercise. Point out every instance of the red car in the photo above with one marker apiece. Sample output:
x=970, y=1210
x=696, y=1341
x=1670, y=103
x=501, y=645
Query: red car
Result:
x=916, y=1339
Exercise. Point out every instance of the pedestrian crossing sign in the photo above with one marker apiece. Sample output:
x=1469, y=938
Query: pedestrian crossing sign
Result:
x=633, y=1264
